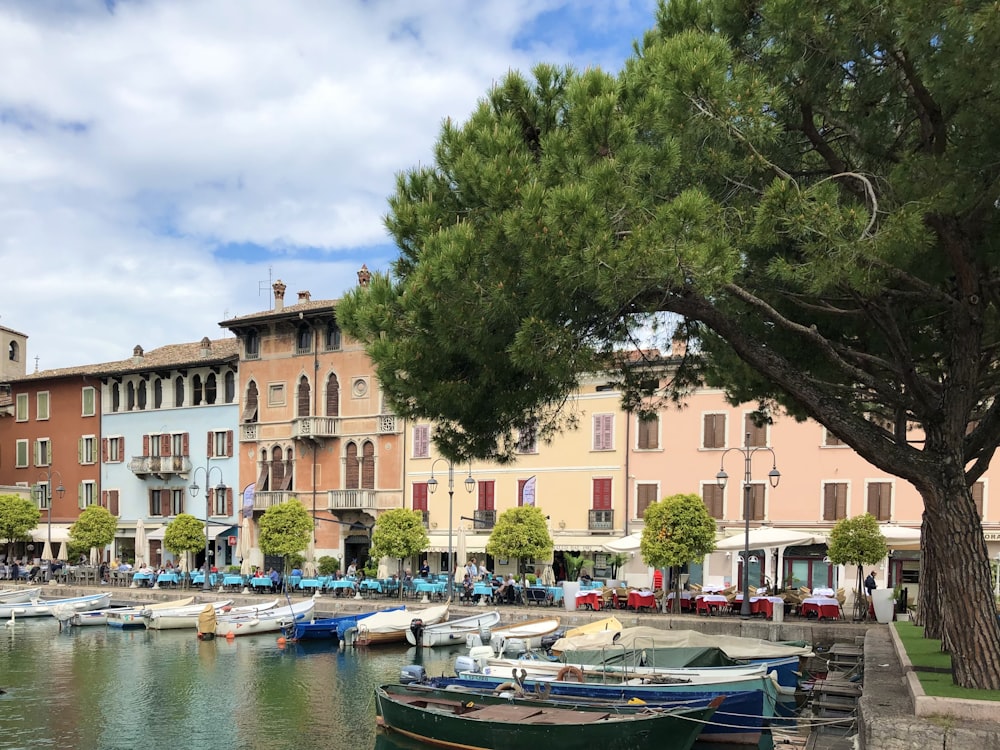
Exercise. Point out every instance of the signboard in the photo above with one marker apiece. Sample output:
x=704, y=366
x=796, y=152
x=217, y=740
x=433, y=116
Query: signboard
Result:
x=232, y=541
x=992, y=536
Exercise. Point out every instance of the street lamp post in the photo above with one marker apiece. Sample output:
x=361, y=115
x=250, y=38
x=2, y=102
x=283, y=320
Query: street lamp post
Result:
x=470, y=485
x=48, y=500
x=221, y=488
x=773, y=476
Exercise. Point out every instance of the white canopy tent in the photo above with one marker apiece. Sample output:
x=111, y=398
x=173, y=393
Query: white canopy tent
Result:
x=900, y=537
x=768, y=538
x=625, y=544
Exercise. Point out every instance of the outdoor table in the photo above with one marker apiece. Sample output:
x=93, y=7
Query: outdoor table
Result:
x=198, y=579
x=426, y=587
x=484, y=590
x=142, y=579
x=294, y=581
x=232, y=581
x=310, y=583
x=339, y=586
x=556, y=592
x=765, y=605
x=590, y=599
x=167, y=579
x=821, y=606
x=639, y=599
x=370, y=585
x=825, y=592
x=687, y=599
x=712, y=589
x=262, y=583
x=709, y=603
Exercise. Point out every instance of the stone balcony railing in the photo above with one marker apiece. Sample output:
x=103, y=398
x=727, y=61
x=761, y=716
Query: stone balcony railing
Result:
x=352, y=500
x=143, y=466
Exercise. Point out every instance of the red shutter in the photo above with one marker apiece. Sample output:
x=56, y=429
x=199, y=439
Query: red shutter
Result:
x=211, y=445
x=104, y=450
x=185, y=450
x=486, y=501
x=602, y=494
x=121, y=448
x=229, y=498
x=113, y=502
x=165, y=445
x=145, y=445
x=420, y=496
x=211, y=501
x=229, y=443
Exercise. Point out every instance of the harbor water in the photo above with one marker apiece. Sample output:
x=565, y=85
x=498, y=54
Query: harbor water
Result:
x=106, y=689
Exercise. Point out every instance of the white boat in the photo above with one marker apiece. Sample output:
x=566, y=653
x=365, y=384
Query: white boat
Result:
x=391, y=626
x=177, y=618
x=539, y=669
x=529, y=633
x=269, y=621
x=127, y=617
x=13, y=596
x=450, y=632
x=43, y=607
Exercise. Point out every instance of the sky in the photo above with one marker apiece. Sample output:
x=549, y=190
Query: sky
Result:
x=163, y=161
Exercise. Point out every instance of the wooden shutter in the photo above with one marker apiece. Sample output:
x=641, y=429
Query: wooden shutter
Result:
x=756, y=437
x=112, y=504
x=649, y=433
x=185, y=444
x=520, y=491
x=712, y=495
x=229, y=501
x=756, y=502
x=210, y=449
x=104, y=450
x=645, y=495
x=601, y=494
x=230, y=443
x=831, y=439
x=880, y=500
x=352, y=470
x=211, y=500
x=603, y=425
x=165, y=445
x=262, y=479
x=145, y=446
x=715, y=431
x=834, y=501
x=420, y=496
x=486, y=498
x=332, y=396
x=303, y=397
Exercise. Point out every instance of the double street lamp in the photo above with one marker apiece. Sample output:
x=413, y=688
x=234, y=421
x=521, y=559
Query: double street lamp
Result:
x=773, y=476
x=46, y=495
x=220, y=491
x=470, y=485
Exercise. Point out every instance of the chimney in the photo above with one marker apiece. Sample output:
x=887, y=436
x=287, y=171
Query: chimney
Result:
x=364, y=276
x=304, y=296
x=279, y=295
x=206, y=348
x=137, y=354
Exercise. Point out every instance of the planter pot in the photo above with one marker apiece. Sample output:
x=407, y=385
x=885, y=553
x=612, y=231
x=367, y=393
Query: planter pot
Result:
x=570, y=590
x=884, y=604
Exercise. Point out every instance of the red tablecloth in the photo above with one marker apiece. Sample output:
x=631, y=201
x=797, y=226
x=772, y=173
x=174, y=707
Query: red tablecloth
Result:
x=590, y=598
x=709, y=603
x=822, y=607
x=687, y=601
x=636, y=600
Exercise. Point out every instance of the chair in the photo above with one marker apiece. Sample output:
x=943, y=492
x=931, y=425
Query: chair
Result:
x=534, y=595
x=841, y=596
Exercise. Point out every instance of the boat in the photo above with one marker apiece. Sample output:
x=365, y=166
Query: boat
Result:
x=330, y=628
x=43, y=607
x=528, y=634
x=748, y=706
x=450, y=632
x=270, y=620
x=608, y=624
x=14, y=596
x=485, y=722
x=391, y=627
x=178, y=618
x=130, y=618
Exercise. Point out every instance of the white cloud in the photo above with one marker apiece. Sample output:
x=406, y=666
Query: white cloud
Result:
x=135, y=142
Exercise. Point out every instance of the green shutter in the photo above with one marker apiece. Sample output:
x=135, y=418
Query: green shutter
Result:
x=81, y=497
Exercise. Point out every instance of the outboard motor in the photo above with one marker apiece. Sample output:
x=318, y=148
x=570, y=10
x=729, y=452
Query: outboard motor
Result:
x=473, y=640
x=513, y=647
x=417, y=628
x=485, y=634
x=548, y=641
x=412, y=673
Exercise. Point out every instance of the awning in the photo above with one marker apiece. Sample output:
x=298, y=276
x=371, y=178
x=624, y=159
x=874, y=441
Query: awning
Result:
x=766, y=537
x=625, y=544
x=215, y=530
x=473, y=542
x=581, y=543
x=60, y=532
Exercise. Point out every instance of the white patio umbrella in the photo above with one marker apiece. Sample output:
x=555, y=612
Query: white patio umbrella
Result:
x=47, y=551
x=63, y=551
x=141, y=545
x=244, y=546
x=95, y=556
x=765, y=537
x=309, y=566
x=460, y=551
x=628, y=543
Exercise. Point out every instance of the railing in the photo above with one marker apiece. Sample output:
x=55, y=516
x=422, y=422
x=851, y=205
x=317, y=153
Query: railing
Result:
x=351, y=500
x=484, y=519
x=142, y=465
x=426, y=515
x=248, y=432
x=600, y=520
x=316, y=427
x=265, y=500
x=389, y=423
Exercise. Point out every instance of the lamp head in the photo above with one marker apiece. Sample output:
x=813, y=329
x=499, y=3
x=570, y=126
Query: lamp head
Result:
x=470, y=484
x=221, y=489
x=774, y=476
x=432, y=484
x=194, y=489
x=721, y=478
x=60, y=490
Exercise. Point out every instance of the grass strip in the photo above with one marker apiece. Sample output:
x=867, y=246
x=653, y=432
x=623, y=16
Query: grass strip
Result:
x=926, y=652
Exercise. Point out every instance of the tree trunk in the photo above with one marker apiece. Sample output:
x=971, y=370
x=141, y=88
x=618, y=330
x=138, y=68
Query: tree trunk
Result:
x=929, y=607
x=958, y=552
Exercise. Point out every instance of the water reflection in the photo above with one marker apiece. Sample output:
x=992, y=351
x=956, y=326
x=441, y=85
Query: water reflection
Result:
x=108, y=689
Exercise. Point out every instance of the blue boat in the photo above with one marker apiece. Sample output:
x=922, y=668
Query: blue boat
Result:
x=748, y=707
x=331, y=628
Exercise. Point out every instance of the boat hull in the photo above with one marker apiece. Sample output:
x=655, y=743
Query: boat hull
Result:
x=48, y=607
x=473, y=722
x=15, y=596
x=391, y=627
x=454, y=632
x=269, y=621
x=531, y=632
x=332, y=628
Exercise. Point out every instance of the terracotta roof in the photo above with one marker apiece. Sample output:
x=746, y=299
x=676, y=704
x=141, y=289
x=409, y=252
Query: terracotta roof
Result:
x=11, y=330
x=288, y=311
x=171, y=355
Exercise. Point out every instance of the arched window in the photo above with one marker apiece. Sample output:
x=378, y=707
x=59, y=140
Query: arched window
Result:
x=230, y=386
x=179, y=391
x=158, y=393
x=277, y=468
x=331, y=340
x=211, y=390
x=116, y=397
x=332, y=396
x=14, y=352
x=351, y=470
x=368, y=466
x=142, y=394
x=251, y=345
x=304, y=398
x=196, y=391
x=250, y=404
x=303, y=339
x=129, y=396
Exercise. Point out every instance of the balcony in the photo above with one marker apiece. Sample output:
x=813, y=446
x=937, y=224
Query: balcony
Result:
x=484, y=519
x=248, y=432
x=351, y=500
x=265, y=500
x=600, y=520
x=160, y=466
x=389, y=424
x=315, y=428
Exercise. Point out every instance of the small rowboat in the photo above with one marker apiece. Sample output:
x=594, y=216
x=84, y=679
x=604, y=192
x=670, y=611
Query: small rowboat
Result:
x=450, y=632
x=485, y=722
x=392, y=627
x=130, y=618
x=15, y=596
x=330, y=628
x=269, y=621
x=530, y=632
x=42, y=607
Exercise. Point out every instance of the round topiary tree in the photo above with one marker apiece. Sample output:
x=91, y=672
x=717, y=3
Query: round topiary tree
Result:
x=857, y=541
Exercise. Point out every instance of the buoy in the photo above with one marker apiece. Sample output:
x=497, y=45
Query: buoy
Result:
x=281, y=640
x=230, y=636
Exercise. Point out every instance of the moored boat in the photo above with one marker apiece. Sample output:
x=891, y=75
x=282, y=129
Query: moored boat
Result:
x=331, y=628
x=178, y=618
x=391, y=627
x=450, y=632
x=483, y=722
x=271, y=620
x=14, y=596
x=130, y=618
x=529, y=633
x=606, y=625
x=43, y=607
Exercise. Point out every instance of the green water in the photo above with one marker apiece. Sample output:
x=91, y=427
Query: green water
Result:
x=106, y=689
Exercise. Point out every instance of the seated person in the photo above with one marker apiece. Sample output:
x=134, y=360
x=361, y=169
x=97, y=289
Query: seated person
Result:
x=507, y=590
x=484, y=574
x=275, y=579
x=466, y=592
x=296, y=571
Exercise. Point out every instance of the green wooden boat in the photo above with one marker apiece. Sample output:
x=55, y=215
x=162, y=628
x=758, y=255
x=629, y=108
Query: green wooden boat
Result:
x=469, y=721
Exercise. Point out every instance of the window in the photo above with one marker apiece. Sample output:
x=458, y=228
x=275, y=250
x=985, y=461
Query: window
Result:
x=250, y=404
x=110, y=500
x=179, y=391
x=152, y=445
x=755, y=436
x=179, y=444
x=211, y=389
x=880, y=500
x=196, y=391
x=129, y=396
x=112, y=449
x=141, y=399
x=21, y=454
x=420, y=496
x=756, y=502
x=87, y=494
x=834, y=501
x=332, y=396
x=13, y=352
x=44, y=495
x=352, y=472
x=830, y=440
x=116, y=397
x=978, y=491
x=89, y=399
x=220, y=444
x=645, y=495
x=22, y=408
x=303, y=339
x=88, y=449
x=713, y=431
x=714, y=498
x=485, y=489
x=303, y=398
x=648, y=433
x=601, y=496
x=331, y=340
x=158, y=393
x=604, y=432
x=276, y=394
x=42, y=406
x=158, y=500
x=221, y=502
x=230, y=386
x=421, y=441
x=527, y=440
x=368, y=465
x=43, y=452
x=251, y=345
x=176, y=502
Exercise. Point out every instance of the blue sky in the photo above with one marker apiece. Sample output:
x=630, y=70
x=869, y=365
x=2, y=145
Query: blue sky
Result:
x=164, y=159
